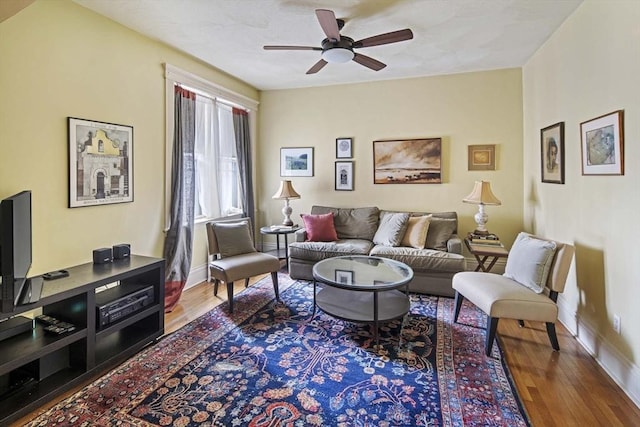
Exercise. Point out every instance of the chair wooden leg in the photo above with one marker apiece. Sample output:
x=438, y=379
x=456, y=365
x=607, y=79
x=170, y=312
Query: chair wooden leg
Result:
x=458, y=302
x=230, y=296
x=246, y=282
x=521, y=323
x=274, y=279
x=492, y=327
x=215, y=287
x=551, y=331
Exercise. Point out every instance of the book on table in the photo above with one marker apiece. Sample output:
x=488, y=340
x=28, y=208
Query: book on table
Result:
x=283, y=227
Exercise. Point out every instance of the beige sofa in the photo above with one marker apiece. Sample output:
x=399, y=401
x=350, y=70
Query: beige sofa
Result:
x=356, y=227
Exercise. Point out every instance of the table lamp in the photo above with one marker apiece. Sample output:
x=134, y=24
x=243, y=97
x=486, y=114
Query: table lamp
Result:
x=286, y=192
x=481, y=196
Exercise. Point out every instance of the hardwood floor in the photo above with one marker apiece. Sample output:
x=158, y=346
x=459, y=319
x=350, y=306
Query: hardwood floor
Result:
x=558, y=389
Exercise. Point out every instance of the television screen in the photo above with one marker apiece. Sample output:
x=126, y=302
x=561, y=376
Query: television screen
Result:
x=15, y=246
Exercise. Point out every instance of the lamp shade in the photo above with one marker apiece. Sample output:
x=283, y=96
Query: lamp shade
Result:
x=482, y=195
x=286, y=191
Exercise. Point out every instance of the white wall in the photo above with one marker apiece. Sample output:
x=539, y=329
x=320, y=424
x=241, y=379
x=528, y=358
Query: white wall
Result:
x=591, y=67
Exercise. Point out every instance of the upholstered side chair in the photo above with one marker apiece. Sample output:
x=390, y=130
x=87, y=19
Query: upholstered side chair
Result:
x=233, y=256
x=535, y=274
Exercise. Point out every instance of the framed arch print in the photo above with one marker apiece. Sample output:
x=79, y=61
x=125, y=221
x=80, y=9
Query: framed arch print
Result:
x=100, y=163
x=344, y=176
x=552, y=153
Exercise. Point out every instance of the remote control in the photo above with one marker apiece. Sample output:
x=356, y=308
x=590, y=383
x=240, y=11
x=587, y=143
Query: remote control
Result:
x=52, y=275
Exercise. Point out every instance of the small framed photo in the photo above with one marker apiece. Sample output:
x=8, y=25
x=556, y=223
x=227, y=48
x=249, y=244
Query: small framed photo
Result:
x=344, y=277
x=603, y=144
x=344, y=148
x=552, y=153
x=296, y=161
x=482, y=157
x=344, y=176
x=100, y=163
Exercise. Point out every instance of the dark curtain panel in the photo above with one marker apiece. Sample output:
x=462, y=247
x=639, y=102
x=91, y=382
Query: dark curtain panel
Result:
x=243, y=147
x=178, y=243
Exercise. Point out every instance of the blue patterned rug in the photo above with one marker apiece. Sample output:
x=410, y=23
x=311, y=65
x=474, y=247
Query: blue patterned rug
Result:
x=271, y=364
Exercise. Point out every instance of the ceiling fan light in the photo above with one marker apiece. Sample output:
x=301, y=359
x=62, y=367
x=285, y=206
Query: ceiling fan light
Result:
x=338, y=55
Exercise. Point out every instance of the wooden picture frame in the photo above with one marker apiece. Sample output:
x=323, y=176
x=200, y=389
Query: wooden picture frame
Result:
x=602, y=144
x=344, y=148
x=296, y=161
x=552, y=154
x=100, y=163
x=481, y=157
x=407, y=161
x=344, y=176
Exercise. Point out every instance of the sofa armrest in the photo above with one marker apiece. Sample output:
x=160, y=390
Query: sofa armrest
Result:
x=300, y=235
x=454, y=244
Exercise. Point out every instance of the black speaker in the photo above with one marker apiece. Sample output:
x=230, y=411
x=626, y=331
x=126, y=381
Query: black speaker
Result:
x=121, y=251
x=102, y=255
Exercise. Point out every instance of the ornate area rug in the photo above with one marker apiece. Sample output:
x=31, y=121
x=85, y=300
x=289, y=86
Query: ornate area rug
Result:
x=272, y=364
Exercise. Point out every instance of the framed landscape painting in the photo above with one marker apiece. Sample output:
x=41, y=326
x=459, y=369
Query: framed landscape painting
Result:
x=100, y=163
x=407, y=161
x=603, y=145
x=552, y=153
x=296, y=161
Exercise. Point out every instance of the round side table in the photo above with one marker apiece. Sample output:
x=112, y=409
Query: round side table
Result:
x=281, y=253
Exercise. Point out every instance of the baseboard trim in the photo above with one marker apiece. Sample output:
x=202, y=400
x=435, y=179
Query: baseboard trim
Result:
x=621, y=370
x=196, y=275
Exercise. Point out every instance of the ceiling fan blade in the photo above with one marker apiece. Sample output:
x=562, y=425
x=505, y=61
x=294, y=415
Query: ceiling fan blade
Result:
x=291, y=48
x=328, y=23
x=386, y=38
x=317, y=66
x=368, y=62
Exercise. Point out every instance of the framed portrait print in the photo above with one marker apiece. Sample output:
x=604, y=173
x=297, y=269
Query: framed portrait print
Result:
x=407, y=161
x=344, y=148
x=603, y=145
x=482, y=157
x=296, y=161
x=344, y=176
x=100, y=163
x=552, y=153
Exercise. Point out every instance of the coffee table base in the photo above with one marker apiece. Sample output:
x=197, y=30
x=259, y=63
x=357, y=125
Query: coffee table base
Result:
x=362, y=307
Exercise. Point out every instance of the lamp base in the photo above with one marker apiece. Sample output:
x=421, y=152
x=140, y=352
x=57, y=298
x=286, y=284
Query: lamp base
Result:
x=286, y=211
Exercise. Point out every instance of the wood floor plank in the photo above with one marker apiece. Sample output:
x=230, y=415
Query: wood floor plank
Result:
x=558, y=389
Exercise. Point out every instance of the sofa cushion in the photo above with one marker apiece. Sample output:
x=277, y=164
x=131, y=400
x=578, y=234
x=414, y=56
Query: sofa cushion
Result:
x=317, y=251
x=422, y=260
x=356, y=223
x=529, y=261
x=440, y=229
x=319, y=228
x=415, y=235
x=391, y=229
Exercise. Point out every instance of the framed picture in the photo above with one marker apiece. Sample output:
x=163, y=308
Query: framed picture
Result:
x=296, y=161
x=344, y=176
x=552, y=153
x=100, y=163
x=603, y=145
x=482, y=157
x=407, y=161
x=345, y=277
x=344, y=148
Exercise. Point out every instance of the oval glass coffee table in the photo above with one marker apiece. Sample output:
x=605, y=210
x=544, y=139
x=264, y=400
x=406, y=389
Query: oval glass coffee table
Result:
x=362, y=289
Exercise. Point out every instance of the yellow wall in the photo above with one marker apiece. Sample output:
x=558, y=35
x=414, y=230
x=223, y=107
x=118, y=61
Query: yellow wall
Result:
x=61, y=60
x=591, y=67
x=462, y=109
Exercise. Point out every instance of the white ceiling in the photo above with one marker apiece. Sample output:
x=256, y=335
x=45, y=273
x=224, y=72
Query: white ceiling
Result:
x=450, y=36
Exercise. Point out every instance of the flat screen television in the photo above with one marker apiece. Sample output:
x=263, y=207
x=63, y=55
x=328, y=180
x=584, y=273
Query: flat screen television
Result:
x=15, y=247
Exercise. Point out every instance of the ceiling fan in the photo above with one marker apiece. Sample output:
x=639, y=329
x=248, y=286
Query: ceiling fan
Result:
x=337, y=48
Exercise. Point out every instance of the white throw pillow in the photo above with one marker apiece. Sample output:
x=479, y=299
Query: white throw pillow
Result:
x=391, y=229
x=529, y=261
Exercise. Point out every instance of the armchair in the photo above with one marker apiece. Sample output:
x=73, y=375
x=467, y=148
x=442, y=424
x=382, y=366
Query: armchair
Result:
x=232, y=256
x=536, y=272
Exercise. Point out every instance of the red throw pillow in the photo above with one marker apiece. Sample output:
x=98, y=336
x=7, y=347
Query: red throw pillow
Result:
x=319, y=228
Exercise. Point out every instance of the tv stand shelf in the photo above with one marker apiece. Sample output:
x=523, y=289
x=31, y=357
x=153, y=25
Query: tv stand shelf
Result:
x=36, y=367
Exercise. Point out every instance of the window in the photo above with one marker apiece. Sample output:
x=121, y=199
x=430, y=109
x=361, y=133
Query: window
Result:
x=218, y=185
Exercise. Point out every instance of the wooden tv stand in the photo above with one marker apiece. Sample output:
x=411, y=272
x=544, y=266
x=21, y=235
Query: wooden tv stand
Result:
x=36, y=367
